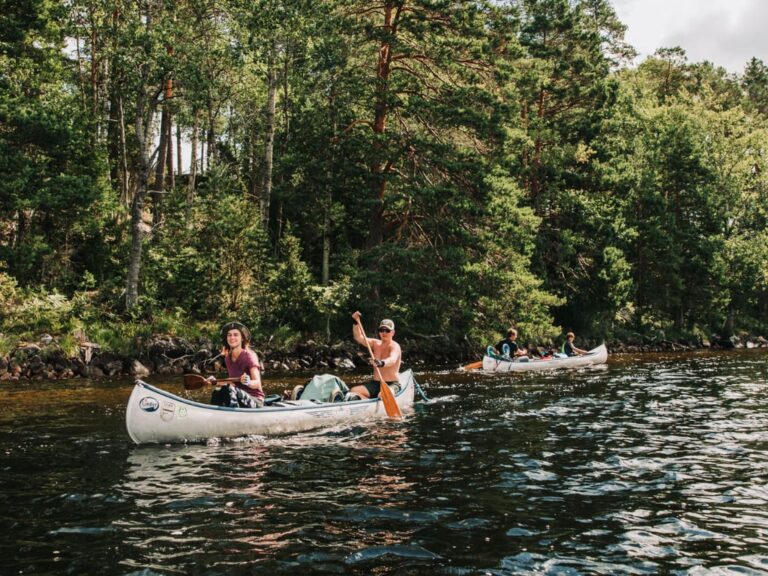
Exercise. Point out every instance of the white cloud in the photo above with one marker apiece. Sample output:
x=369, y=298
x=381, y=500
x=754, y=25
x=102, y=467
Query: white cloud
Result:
x=727, y=33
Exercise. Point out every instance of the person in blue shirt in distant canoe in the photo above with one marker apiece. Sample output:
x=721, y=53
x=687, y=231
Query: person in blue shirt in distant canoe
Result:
x=508, y=346
x=568, y=348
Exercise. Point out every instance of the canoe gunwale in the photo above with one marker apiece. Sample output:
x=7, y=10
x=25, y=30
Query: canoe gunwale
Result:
x=240, y=410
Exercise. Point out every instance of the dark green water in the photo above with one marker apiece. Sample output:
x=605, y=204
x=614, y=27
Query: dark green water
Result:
x=651, y=465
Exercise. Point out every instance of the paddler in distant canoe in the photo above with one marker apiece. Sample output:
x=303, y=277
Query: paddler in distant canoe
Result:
x=568, y=347
x=509, y=347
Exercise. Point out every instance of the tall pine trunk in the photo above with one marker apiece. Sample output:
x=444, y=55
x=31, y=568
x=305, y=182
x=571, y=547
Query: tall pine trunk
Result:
x=170, y=174
x=380, y=166
x=210, y=151
x=178, y=150
x=192, y=162
x=143, y=128
x=164, y=171
x=269, y=140
x=159, y=184
x=326, y=266
x=124, y=172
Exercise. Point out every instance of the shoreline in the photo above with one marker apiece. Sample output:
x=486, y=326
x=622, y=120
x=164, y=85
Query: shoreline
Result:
x=167, y=355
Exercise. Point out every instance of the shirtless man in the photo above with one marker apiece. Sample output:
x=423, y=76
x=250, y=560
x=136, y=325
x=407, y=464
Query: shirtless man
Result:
x=387, y=357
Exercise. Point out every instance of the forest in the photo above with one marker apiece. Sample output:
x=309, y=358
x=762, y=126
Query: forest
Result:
x=460, y=166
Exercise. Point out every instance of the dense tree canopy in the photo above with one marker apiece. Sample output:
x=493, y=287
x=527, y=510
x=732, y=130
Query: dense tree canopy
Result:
x=460, y=166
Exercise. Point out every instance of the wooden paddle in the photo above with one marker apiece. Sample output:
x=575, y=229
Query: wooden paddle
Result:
x=196, y=381
x=473, y=365
x=390, y=404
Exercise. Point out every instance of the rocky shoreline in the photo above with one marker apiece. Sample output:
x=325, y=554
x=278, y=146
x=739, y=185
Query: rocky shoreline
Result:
x=168, y=355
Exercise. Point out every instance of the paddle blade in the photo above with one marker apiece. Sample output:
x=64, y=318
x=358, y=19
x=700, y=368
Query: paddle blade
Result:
x=474, y=365
x=194, y=381
x=390, y=404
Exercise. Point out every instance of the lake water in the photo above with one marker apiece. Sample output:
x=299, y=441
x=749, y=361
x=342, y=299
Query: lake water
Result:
x=648, y=465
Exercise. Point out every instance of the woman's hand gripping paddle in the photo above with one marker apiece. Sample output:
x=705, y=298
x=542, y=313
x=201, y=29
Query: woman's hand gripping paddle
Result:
x=196, y=381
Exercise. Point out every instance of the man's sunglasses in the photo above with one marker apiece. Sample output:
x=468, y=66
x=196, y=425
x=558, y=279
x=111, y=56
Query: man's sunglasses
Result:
x=386, y=330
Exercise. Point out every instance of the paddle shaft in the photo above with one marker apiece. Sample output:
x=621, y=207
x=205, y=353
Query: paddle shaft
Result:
x=196, y=381
x=390, y=405
x=226, y=380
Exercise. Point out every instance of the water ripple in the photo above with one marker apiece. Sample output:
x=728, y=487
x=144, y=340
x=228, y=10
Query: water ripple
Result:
x=651, y=466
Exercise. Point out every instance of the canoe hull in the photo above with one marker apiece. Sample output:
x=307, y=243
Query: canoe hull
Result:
x=157, y=416
x=595, y=356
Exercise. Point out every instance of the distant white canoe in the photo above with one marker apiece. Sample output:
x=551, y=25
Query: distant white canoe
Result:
x=156, y=416
x=497, y=364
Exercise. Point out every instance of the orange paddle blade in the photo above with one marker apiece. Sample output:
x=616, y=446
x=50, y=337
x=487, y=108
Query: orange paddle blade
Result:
x=390, y=404
x=473, y=365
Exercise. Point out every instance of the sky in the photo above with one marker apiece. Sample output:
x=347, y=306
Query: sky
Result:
x=727, y=33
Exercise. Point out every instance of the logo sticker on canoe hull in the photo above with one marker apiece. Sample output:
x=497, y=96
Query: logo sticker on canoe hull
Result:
x=149, y=404
x=169, y=411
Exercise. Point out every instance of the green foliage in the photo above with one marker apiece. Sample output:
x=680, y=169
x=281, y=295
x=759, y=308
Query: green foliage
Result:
x=505, y=291
x=69, y=345
x=331, y=301
x=52, y=188
x=501, y=169
x=615, y=276
x=755, y=83
x=7, y=343
x=39, y=312
x=283, y=337
x=9, y=292
x=29, y=313
x=290, y=282
x=211, y=257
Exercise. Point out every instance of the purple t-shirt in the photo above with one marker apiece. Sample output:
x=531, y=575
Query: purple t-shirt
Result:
x=243, y=365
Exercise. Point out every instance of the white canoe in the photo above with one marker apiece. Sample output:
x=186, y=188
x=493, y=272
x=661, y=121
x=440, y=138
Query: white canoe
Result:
x=156, y=416
x=595, y=356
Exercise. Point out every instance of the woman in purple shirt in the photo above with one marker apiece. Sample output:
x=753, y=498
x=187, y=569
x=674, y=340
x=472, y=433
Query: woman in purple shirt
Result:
x=243, y=363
